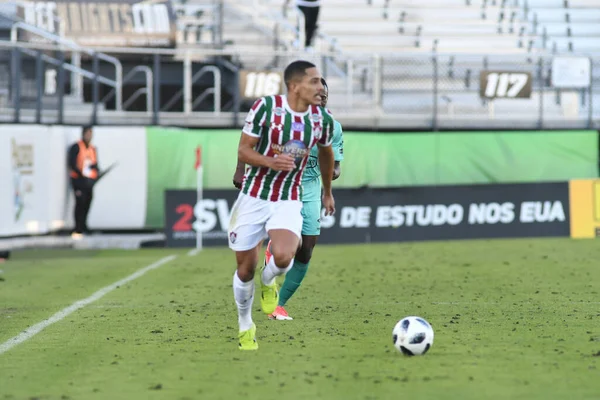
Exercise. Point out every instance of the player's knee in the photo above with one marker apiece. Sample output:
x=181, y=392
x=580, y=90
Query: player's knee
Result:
x=245, y=274
x=245, y=271
x=246, y=265
x=304, y=253
x=283, y=257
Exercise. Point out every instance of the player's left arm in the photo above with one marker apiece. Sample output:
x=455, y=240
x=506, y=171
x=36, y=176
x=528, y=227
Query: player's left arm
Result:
x=238, y=175
x=326, y=165
x=338, y=149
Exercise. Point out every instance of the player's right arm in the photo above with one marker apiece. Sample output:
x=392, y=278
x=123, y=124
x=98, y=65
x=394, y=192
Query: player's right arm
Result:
x=238, y=175
x=254, y=128
x=326, y=165
x=248, y=155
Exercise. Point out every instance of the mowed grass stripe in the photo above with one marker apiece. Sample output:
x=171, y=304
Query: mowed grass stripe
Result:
x=60, y=315
x=513, y=319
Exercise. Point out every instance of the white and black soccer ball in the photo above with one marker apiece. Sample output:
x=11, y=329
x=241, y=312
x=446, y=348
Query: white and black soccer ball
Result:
x=413, y=336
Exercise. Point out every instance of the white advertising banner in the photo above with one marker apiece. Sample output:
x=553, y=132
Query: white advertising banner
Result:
x=25, y=180
x=35, y=192
x=119, y=199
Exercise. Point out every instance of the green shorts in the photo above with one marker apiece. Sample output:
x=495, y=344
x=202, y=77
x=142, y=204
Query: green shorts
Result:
x=311, y=207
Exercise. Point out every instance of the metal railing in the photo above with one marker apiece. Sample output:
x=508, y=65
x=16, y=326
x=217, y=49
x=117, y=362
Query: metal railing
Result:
x=66, y=44
x=72, y=64
x=186, y=91
x=94, y=109
x=147, y=90
x=391, y=91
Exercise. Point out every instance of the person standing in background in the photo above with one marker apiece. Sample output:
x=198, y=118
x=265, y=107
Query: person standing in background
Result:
x=310, y=9
x=83, y=170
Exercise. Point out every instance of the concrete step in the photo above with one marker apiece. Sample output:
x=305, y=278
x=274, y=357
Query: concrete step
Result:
x=51, y=103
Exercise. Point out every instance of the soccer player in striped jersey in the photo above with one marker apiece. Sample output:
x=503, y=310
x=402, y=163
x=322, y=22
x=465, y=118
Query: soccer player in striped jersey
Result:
x=311, y=216
x=278, y=135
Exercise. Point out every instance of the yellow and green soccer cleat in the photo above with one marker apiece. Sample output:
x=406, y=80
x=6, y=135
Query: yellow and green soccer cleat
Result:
x=247, y=339
x=269, y=295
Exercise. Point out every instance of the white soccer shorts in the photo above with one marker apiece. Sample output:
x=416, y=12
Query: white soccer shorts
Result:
x=252, y=218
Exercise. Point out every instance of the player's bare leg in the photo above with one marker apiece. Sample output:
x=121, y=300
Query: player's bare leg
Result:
x=294, y=276
x=284, y=244
x=243, y=292
x=247, y=262
x=304, y=253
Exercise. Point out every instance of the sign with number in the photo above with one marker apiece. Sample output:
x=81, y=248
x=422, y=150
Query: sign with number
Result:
x=505, y=84
x=254, y=84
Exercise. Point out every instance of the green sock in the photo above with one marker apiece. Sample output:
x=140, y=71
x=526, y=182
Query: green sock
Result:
x=292, y=281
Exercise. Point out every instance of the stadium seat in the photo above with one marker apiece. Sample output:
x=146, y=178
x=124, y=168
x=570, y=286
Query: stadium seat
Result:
x=560, y=3
x=563, y=26
x=197, y=22
x=558, y=29
x=574, y=15
x=420, y=25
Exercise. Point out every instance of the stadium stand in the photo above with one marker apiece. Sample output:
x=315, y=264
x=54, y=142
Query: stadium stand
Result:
x=416, y=26
x=444, y=26
x=24, y=81
x=198, y=23
x=466, y=36
x=563, y=26
x=474, y=26
x=388, y=58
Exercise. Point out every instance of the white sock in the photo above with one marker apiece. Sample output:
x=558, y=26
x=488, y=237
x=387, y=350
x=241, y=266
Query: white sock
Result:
x=243, y=292
x=272, y=271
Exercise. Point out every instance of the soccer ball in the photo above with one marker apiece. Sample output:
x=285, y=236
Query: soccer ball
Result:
x=413, y=336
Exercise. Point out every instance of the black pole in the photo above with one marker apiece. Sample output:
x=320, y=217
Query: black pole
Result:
x=155, y=119
x=540, y=73
x=434, y=123
x=61, y=87
x=591, y=105
x=16, y=81
x=39, y=83
x=236, y=98
x=95, y=89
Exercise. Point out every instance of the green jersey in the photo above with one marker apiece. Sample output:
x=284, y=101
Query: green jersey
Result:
x=312, y=170
x=277, y=126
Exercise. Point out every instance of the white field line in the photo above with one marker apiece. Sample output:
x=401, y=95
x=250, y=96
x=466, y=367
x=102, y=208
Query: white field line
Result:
x=193, y=252
x=37, y=328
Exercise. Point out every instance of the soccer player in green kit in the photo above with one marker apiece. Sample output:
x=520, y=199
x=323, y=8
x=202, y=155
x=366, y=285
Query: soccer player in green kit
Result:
x=311, y=215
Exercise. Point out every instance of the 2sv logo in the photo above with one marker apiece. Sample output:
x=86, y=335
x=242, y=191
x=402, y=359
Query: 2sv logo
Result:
x=505, y=84
x=207, y=212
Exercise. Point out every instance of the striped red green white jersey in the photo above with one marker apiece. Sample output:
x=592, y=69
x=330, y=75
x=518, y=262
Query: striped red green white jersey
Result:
x=273, y=121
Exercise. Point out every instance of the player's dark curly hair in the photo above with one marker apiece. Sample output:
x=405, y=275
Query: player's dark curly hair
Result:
x=324, y=83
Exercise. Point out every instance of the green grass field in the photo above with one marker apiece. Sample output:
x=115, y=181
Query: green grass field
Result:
x=513, y=320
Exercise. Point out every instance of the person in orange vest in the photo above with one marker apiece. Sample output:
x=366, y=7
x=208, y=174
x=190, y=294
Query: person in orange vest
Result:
x=83, y=170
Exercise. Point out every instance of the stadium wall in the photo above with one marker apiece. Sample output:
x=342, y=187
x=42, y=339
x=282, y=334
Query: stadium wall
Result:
x=385, y=160
x=36, y=198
